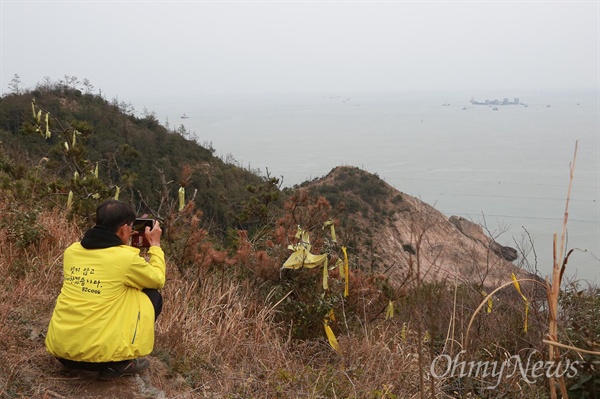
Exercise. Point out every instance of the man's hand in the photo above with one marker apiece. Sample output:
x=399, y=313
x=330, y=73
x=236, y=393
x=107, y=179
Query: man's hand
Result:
x=153, y=235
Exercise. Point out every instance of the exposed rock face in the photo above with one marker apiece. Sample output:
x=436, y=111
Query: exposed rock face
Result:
x=468, y=228
x=442, y=249
x=407, y=236
x=475, y=232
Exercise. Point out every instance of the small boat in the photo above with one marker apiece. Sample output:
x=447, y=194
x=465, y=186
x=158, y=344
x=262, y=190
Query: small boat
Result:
x=184, y=116
x=495, y=108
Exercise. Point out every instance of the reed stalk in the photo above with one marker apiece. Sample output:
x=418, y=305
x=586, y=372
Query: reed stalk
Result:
x=553, y=290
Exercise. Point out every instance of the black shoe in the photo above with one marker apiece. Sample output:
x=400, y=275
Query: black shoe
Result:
x=127, y=368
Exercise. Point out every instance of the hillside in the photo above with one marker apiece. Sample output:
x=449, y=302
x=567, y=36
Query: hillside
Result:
x=137, y=154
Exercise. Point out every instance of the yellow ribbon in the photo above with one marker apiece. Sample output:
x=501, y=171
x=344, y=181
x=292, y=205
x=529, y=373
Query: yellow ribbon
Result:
x=303, y=237
x=389, y=312
x=426, y=337
x=340, y=265
x=489, y=302
x=325, y=275
x=305, y=240
x=69, y=200
x=404, y=332
x=181, y=198
x=331, y=226
x=331, y=337
x=518, y=287
x=302, y=258
x=330, y=315
x=48, y=126
x=346, y=271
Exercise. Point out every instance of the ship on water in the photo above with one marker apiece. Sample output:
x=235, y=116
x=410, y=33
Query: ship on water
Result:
x=505, y=101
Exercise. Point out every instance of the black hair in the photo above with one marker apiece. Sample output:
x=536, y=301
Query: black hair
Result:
x=114, y=214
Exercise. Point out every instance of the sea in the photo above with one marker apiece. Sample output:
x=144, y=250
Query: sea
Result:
x=507, y=167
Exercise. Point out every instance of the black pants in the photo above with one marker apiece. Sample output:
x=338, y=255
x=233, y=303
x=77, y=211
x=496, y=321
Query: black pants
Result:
x=156, y=299
x=157, y=302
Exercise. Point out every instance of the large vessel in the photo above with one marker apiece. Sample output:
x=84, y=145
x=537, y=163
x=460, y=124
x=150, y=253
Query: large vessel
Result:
x=506, y=101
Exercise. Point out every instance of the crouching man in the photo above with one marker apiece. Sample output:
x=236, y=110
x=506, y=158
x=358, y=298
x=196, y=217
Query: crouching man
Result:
x=104, y=317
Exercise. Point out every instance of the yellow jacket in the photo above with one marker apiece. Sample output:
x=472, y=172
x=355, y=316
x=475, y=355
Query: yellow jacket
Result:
x=101, y=313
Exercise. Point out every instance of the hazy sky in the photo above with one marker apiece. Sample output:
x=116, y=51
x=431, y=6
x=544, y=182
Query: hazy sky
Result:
x=138, y=48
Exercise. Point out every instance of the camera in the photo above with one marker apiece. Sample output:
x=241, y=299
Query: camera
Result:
x=138, y=237
x=140, y=225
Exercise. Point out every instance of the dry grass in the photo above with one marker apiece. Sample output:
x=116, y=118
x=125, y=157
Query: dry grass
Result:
x=214, y=331
x=31, y=279
x=222, y=336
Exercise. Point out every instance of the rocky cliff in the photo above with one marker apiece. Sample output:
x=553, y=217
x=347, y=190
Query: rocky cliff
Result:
x=401, y=235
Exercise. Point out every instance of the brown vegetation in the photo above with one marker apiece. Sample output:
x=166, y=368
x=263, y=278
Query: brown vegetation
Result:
x=237, y=325
x=228, y=331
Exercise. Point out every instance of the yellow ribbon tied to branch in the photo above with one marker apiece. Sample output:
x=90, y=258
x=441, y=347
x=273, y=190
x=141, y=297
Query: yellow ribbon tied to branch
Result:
x=488, y=308
x=329, y=332
x=340, y=265
x=346, y=276
x=304, y=239
x=518, y=287
x=181, y=198
x=389, y=311
x=426, y=337
x=69, y=200
x=404, y=333
x=325, y=275
x=331, y=226
x=303, y=258
x=47, y=126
